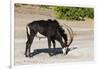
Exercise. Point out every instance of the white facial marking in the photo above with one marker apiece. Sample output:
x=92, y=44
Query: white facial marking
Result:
x=64, y=50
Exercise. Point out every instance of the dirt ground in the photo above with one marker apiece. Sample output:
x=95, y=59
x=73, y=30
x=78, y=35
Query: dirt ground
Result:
x=83, y=39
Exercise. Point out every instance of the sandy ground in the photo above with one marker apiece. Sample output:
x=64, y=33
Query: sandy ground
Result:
x=83, y=40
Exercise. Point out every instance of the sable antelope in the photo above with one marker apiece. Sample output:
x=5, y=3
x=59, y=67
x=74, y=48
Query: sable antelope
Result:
x=50, y=29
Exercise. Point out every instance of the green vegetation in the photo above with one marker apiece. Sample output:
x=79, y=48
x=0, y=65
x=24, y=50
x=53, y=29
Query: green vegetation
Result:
x=68, y=13
x=45, y=6
x=73, y=13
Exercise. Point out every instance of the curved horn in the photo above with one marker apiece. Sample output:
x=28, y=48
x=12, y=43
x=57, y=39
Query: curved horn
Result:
x=71, y=34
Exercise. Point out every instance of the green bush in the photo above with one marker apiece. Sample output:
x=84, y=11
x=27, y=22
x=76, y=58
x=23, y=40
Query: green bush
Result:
x=73, y=13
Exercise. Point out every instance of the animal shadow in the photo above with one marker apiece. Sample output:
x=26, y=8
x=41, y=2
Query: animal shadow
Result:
x=55, y=51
